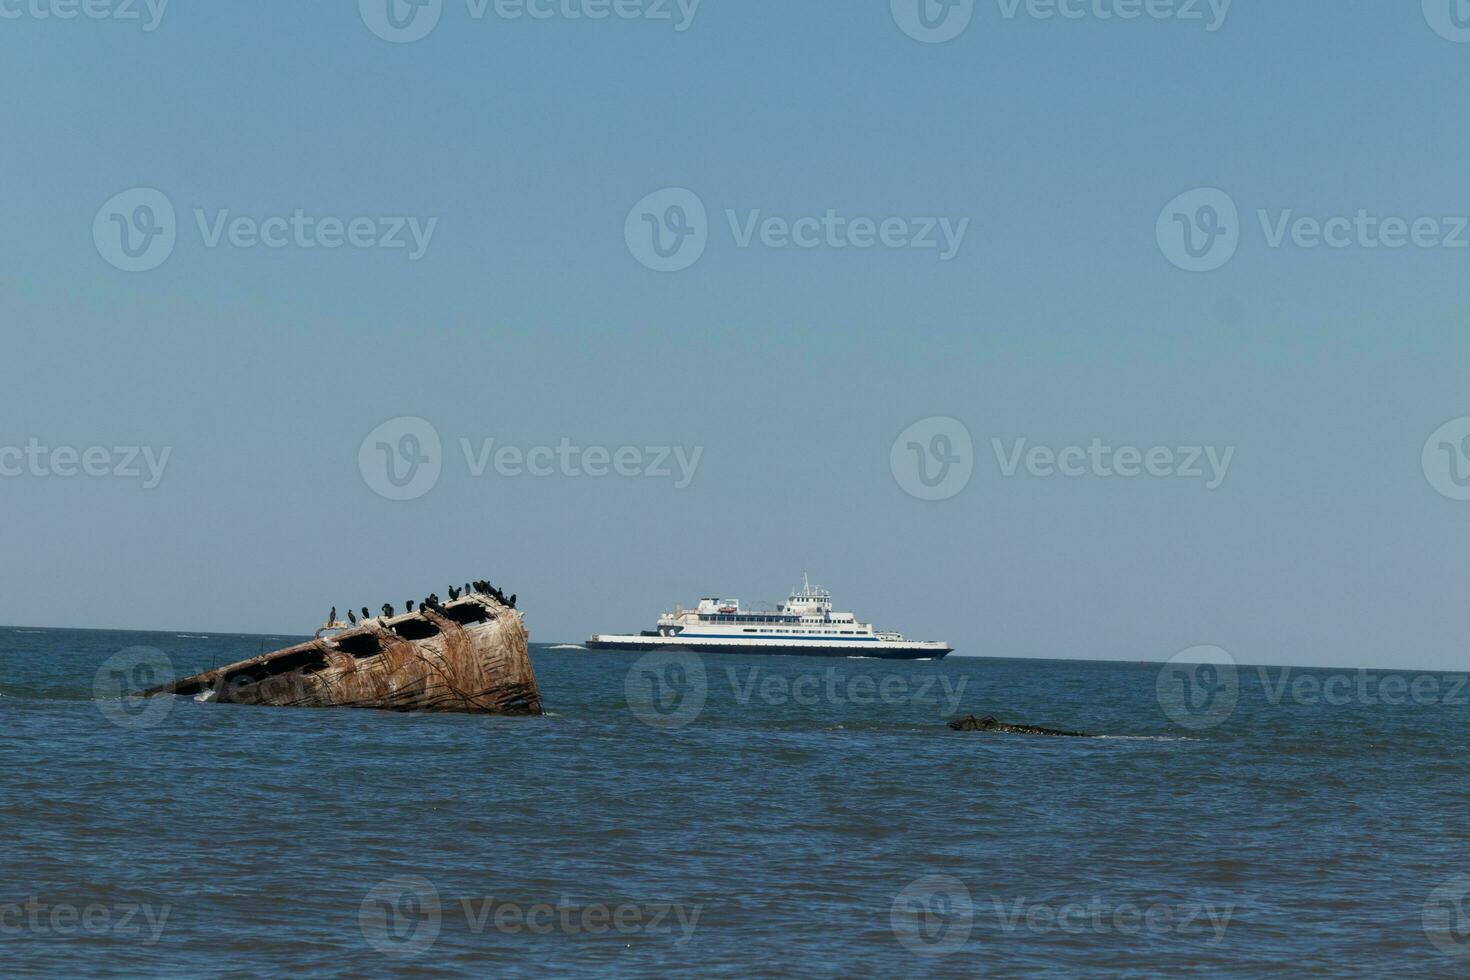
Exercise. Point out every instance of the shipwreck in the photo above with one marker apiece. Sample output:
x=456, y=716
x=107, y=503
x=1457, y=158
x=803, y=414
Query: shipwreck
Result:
x=467, y=655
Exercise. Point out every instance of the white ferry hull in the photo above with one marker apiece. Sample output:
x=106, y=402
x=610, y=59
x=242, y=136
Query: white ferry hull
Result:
x=790, y=647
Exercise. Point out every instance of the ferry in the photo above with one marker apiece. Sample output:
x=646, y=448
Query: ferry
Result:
x=803, y=625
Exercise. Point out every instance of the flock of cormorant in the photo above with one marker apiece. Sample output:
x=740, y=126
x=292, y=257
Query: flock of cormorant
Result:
x=431, y=601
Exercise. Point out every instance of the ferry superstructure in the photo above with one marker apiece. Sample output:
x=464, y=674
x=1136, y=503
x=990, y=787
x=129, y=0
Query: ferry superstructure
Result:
x=803, y=625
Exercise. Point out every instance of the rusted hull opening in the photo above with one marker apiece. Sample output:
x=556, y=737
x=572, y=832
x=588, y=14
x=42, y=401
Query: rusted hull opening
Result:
x=473, y=658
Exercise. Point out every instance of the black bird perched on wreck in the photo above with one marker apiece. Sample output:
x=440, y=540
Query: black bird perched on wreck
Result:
x=351, y=618
x=467, y=589
x=366, y=614
x=453, y=593
x=387, y=610
x=332, y=616
x=408, y=605
x=512, y=601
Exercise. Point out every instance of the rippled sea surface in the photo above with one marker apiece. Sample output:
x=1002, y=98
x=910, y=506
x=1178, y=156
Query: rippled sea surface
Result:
x=808, y=817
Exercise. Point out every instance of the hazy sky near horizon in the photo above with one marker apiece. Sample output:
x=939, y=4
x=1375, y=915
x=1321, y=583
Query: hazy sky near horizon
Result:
x=1053, y=151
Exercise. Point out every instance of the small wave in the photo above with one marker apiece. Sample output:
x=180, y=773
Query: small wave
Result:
x=31, y=632
x=1148, y=738
x=190, y=636
x=567, y=646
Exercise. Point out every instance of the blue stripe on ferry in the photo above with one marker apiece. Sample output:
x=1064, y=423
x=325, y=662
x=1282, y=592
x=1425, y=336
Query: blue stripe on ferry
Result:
x=767, y=636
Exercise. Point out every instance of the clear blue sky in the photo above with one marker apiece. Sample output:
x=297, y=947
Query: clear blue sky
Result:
x=528, y=320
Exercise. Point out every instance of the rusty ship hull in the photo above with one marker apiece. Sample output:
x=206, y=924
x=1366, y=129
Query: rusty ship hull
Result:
x=469, y=655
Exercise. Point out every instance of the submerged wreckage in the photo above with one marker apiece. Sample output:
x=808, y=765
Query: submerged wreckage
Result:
x=465, y=655
x=989, y=724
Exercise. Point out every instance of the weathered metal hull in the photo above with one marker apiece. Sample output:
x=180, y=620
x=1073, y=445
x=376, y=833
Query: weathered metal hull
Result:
x=472, y=657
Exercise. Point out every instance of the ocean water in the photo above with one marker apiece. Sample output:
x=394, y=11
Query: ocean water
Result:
x=735, y=816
